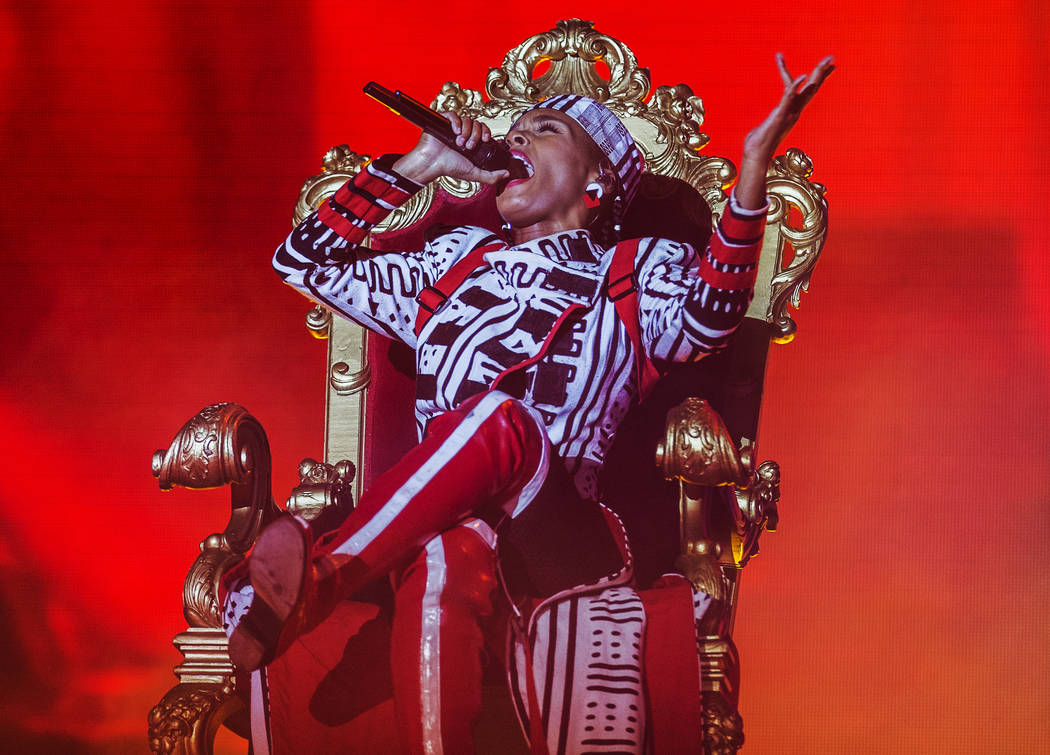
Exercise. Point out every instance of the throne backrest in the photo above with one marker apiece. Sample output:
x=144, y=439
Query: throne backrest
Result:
x=368, y=417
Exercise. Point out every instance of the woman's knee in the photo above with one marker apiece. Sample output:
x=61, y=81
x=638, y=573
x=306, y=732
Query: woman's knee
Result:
x=513, y=436
x=457, y=570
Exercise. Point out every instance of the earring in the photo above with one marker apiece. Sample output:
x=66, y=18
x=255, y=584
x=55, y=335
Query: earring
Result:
x=505, y=227
x=592, y=195
x=617, y=214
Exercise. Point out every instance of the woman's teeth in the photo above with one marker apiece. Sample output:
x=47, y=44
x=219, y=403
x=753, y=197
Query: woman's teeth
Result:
x=525, y=168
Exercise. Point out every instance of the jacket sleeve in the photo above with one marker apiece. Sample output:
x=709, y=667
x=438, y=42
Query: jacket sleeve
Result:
x=689, y=305
x=323, y=257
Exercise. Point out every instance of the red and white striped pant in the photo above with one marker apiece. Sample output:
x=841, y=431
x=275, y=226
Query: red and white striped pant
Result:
x=486, y=459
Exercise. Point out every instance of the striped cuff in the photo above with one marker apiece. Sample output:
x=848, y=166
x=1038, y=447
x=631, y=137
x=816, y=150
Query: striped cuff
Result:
x=743, y=212
x=726, y=275
x=366, y=199
x=740, y=233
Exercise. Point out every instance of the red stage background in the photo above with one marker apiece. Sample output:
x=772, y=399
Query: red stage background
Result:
x=152, y=153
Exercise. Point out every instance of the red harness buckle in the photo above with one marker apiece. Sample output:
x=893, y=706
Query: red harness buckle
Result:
x=623, y=286
x=431, y=299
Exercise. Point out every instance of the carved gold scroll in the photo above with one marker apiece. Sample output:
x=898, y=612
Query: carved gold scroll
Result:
x=224, y=445
x=698, y=451
x=221, y=445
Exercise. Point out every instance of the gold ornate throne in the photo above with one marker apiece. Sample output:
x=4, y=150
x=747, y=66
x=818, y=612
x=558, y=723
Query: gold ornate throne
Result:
x=702, y=505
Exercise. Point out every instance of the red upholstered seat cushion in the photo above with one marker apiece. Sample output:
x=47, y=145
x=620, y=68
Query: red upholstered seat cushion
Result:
x=332, y=690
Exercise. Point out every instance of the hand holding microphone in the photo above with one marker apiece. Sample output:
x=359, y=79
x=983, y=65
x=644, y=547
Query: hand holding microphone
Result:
x=484, y=159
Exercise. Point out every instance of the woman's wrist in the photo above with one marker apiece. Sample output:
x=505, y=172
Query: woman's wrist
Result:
x=751, y=187
x=416, y=167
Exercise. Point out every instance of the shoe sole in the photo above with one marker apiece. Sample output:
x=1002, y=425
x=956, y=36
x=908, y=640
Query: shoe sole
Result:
x=276, y=569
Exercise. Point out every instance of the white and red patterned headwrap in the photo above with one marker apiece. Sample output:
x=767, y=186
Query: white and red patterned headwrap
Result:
x=608, y=132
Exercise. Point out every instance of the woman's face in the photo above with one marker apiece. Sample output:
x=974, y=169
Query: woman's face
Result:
x=560, y=156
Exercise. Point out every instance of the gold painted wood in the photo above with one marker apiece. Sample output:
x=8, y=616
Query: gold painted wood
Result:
x=221, y=445
x=755, y=511
x=324, y=493
x=186, y=720
x=720, y=683
x=345, y=402
x=783, y=276
x=318, y=321
x=698, y=451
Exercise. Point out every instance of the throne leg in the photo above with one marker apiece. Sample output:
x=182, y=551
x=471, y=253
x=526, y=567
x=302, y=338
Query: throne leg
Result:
x=186, y=719
x=722, y=726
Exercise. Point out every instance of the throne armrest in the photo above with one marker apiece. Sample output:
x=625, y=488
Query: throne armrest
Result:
x=718, y=534
x=225, y=445
x=222, y=444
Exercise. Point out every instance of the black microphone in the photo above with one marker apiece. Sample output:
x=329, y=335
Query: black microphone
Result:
x=490, y=155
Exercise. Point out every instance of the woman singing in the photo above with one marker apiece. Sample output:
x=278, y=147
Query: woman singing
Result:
x=525, y=368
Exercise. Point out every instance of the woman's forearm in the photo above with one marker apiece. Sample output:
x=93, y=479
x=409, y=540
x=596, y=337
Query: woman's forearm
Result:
x=750, y=189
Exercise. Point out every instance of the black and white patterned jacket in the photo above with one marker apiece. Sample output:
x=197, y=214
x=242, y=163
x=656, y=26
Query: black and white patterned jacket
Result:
x=502, y=314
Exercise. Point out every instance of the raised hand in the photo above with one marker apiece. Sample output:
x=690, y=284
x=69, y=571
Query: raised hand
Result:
x=761, y=143
x=431, y=159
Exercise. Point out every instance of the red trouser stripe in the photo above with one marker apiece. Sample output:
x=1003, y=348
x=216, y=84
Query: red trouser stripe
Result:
x=487, y=456
x=443, y=604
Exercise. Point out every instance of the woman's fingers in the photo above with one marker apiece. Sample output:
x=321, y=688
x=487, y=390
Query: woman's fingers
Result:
x=783, y=69
x=455, y=121
x=811, y=82
x=821, y=72
x=472, y=130
x=469, y=132
x=800, y=90
x=823, y=68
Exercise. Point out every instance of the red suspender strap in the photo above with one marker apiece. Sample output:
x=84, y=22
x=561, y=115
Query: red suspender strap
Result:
x=432, y=297
x=622, y=291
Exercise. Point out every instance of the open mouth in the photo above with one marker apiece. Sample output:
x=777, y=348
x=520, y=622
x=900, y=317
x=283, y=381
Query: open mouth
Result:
x=516, y=171
x=531, y=171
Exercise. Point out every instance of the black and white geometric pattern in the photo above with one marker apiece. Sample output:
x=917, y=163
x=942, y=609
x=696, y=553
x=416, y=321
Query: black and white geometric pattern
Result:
x=587, y=668
x=238, y=601
x=501, y=316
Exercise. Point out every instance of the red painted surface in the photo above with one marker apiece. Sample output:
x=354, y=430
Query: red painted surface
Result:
x=151, y=156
